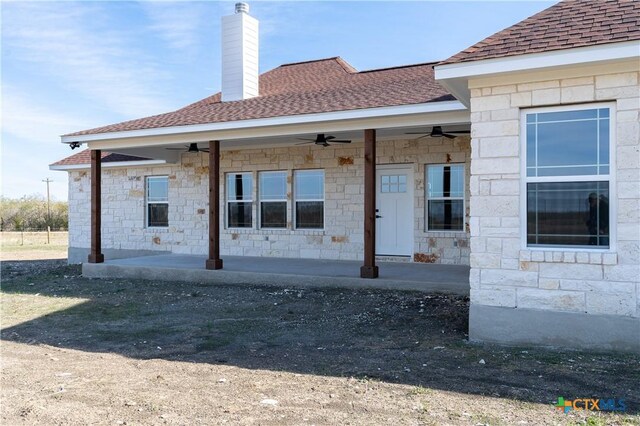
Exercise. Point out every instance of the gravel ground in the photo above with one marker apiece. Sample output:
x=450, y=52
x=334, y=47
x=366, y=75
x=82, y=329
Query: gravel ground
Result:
x=83, y=351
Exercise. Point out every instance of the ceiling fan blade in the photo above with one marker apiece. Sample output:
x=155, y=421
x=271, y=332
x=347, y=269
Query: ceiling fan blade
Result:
x=329, y=138
x=175, y=149
x=447, y=135
x=338, y=141
x=306, y=143
x=416, y=133
x=464, y=132
x=306, y=139
x=203, y=149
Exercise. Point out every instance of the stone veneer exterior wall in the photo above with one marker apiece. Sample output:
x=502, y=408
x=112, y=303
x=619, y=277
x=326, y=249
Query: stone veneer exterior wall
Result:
x=123, y=223
x=589, y=285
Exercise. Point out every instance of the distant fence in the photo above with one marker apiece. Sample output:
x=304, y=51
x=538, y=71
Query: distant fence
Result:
x=34, y=237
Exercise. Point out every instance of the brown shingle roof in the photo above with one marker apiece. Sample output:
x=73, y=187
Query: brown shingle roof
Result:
x=325, y=85
x=568, y=24
x=84, y=157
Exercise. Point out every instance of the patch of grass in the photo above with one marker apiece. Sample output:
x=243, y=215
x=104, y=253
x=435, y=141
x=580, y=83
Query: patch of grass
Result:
x=420, y=390
x=486, y=419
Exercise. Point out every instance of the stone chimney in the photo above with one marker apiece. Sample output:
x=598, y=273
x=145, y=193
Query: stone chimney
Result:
x=239, y=55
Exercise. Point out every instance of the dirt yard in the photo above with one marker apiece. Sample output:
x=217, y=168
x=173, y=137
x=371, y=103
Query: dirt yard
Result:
x=81, y=351
x=33, y=245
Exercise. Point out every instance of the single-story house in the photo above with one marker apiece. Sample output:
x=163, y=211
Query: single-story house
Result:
x=319, y=160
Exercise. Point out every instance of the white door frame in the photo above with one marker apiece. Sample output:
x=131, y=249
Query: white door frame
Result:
x=409, y=168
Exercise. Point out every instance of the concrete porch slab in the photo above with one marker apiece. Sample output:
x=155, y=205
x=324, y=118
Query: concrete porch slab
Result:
x=286, y=272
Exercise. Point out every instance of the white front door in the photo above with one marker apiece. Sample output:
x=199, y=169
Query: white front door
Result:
x=394, y=210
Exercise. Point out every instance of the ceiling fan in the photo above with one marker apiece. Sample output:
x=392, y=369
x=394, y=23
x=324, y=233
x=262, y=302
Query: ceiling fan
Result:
x=437, y=132
x=322, y=140
x=192, y=147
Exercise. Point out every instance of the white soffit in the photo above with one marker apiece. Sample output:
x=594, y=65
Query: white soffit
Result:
x=455, y=77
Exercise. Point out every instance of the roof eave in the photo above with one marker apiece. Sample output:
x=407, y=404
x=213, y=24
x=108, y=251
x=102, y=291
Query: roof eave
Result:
x=243, y=129
x=455, y=77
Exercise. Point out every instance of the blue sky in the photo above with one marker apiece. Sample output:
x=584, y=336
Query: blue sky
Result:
x=68, y=66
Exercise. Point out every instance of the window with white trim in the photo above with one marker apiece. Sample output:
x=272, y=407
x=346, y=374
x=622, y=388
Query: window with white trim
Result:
x=445, y=197
x=308, y=187
x=157, y=200
x=567, y=176
x=273, y=199
x=239, y=200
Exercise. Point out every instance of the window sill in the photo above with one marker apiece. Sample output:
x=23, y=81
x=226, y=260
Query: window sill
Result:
x=592, y=257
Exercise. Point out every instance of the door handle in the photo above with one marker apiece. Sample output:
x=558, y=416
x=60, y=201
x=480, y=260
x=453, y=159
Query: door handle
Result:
x=378, y=216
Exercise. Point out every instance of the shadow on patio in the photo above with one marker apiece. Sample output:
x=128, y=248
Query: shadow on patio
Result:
x=404, y=337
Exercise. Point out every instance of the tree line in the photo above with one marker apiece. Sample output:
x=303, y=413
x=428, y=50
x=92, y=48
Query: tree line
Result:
x=30, y=213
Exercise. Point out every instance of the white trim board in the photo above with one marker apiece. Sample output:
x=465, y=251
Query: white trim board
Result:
x=111, y=164
x=242, y=129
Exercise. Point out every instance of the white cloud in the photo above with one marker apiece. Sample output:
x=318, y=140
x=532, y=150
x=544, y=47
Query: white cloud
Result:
x=74, y=43
x=178, y=23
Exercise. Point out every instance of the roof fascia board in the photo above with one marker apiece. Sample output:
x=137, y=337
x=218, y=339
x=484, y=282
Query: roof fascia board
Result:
x=275, y=121
x=530, y=62
x=111, y=164
x=228, y=136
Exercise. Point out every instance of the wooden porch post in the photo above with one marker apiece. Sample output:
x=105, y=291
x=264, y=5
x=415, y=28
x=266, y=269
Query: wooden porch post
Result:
x=369, y=269
x=214, y=261
x=95, y=255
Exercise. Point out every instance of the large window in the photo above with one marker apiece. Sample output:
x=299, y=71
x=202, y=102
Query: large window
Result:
x=239, y=200
x=445, y=197
x=309, y=199
x=567, y=176
x=273, y=199
x=157, y=198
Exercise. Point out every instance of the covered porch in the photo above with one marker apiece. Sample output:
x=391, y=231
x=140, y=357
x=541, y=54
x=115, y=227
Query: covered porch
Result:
x=285, y=272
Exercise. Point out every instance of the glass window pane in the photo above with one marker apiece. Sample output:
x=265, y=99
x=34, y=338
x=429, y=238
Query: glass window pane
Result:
x=566, y=143
x=309, y=185
x=583, y=114
x=402, y=179
x=385, y=187
x=157, y=188
x=273, y=186
x=531, y=148
x=309, y=214
x=158, y=215
x=445, y=181
x=273, y=215
x=445, y=215
x=604, y=144
x=239, y=215
x=402, y=187
x=239, y=186
x=568, y=214
x=385, y=179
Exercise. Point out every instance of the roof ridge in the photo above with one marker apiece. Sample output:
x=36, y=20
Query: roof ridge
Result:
x=332, y=58
x=419, y=64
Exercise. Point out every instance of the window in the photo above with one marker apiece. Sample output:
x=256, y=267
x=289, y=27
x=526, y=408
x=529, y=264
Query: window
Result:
x=157, y=201
x=393, y=183
x=273, y=199
x=567, y=176
x=239, y=200
x=309, y=199
x=445, y=197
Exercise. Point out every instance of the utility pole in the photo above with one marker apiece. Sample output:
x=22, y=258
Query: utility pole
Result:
x=48, y=181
